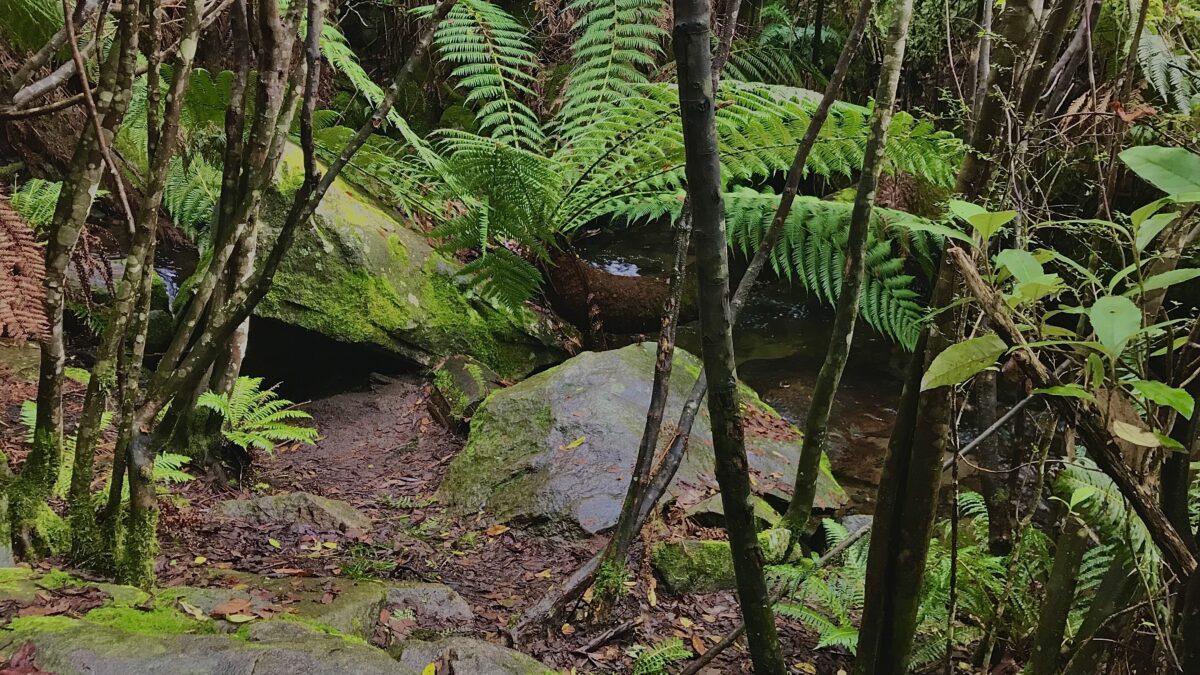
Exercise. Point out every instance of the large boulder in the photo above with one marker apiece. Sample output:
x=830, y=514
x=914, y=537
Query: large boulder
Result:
x=359, y=275
x=71, y=647
x=557, y=449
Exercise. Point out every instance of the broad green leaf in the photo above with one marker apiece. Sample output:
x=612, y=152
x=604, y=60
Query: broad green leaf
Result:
x=1081, y=494
x=1115, y=319
x=1172, y=170
x=1021, y=264
x=987, y=224
x=958, y=362
x=940, y=230
x=1168, y=442
x=1164, y=394
x=1170, y=278
x=1149, y=229
x=1037, y=288
x=965, y=210
x=1143, y=213
x=1069, y=390
x=1128, y=432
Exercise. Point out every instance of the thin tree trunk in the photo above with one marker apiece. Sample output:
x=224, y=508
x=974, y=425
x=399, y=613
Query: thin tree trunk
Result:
x=818, y=29
x=816, y=426
x=997, y=461
x=192, y=365
x=41, y=467
x=1059, y=594
x=703, y=168
x=983, y=59
x=84, y=535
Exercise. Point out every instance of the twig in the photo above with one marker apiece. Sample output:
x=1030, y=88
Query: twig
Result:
x=601, y=639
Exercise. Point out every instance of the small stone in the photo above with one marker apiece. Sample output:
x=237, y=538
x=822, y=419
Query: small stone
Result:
x=431, y=603
x=297, y=508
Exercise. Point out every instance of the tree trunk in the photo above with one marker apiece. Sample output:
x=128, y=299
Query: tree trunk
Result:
x=1059, y=594
x=1118, y=587
x=816, y=426
x=698, y=112
x=41, y=467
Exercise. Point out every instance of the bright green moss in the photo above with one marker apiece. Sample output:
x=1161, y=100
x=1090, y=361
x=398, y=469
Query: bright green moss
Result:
x=158, y=621
x=324, y=628
x=9, y=575
x=42, y=624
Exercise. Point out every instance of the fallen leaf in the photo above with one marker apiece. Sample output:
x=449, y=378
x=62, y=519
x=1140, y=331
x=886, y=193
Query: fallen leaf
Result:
x=274, y=543
x=497, y=530
x=231, y=606
x=686, y=622
x=200, y=560
x=192, y=610
x=651, y=596
x=544, y=574
x=576, y=443
x=698, y=645
x=239, y=618
x=568, y=629
x=805, y=667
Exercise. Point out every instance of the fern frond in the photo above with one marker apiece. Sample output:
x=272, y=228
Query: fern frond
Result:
x=493, y=62
x=35, y=201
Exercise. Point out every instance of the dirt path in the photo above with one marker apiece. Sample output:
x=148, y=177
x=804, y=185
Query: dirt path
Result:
x=382, y=453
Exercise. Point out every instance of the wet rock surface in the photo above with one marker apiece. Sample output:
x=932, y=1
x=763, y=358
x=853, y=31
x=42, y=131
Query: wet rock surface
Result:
x=557, y=449
x=465, y=656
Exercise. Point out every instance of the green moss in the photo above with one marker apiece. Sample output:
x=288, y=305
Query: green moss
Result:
x=9, y=575
x=56, y=579
x=324, y=628
x=158, y=621
x=135, y=565
x=397, y=250
x=42, y=624
x=492, y=451
x=51, y=531
x=705, y=566
x=454, y=395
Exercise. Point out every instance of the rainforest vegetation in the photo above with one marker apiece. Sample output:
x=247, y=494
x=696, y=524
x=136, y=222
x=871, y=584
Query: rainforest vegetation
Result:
x=573, y=336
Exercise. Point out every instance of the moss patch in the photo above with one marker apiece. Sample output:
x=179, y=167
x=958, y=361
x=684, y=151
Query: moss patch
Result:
x=42, y=623
x=158, y=621
x=705, y=566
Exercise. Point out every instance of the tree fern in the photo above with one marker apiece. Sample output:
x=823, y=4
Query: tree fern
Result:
x=1169, y=74
x=812, y=252
x=257, y=418
x=493, y=62
x=28, y=24
x=615, y=45
x=35, y=201
x=190, y=193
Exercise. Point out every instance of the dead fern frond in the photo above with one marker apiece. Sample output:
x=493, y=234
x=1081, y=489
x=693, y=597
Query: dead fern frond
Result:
x=22, y=313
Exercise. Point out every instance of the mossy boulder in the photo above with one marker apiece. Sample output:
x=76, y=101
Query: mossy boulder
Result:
x=74, y=647
x=360, y=276
x=557, y=449
x=705, y=566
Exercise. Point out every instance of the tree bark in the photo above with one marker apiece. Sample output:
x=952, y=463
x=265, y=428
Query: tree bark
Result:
x=41, y=467
x=84, y=535
x=816, y=426
x=1059, y=594
x=703, y=169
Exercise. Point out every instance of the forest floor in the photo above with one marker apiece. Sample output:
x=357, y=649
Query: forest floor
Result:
x=381, y=452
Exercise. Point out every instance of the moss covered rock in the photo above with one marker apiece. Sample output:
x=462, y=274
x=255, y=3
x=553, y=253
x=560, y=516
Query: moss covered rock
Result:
x=465, y=656
x=358, y=275
x=557, y=449
x=460, y=384
x=705, y=566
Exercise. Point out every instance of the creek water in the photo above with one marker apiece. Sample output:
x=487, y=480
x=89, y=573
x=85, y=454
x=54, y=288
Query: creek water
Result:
x=780, y=341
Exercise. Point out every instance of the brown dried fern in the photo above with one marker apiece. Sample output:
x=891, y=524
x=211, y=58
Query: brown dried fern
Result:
x=22, y=269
